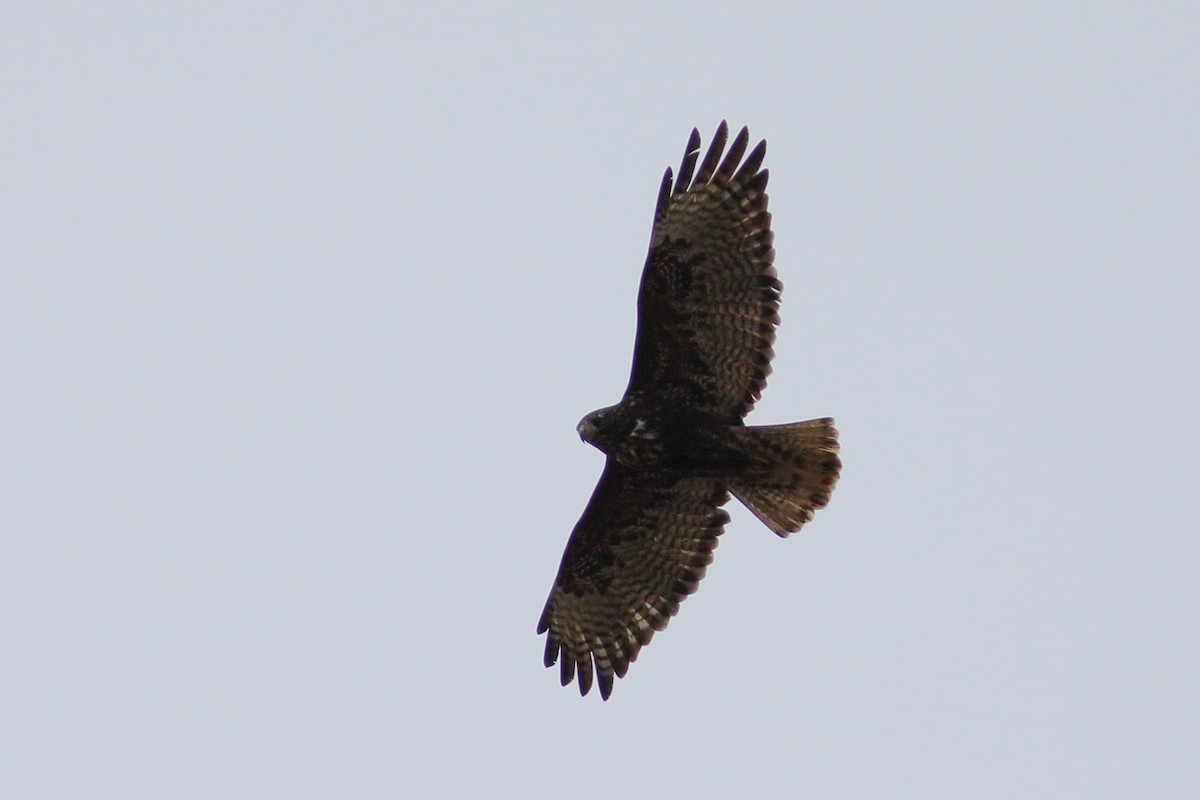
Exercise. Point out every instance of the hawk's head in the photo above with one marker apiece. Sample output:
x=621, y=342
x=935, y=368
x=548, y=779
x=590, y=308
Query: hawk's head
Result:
x=620, y=432
x=592, y=428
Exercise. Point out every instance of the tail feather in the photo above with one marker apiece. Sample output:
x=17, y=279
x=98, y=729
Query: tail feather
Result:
x=793, y=469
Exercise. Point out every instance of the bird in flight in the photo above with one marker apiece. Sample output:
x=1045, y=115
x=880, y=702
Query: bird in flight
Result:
x=676, y=444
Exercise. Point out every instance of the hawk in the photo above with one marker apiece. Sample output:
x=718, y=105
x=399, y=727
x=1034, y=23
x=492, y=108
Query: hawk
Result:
x=676, y=445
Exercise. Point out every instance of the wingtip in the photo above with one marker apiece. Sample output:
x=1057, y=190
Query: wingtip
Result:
x=751, y=172
x=742, y=139
x=566, y=672
x=585, y=677
x=686, y=167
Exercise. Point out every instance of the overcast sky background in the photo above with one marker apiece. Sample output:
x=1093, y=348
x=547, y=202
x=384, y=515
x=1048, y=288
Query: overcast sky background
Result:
x=301, y=303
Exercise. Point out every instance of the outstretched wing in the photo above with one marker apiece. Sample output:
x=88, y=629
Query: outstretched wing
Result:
x=709, y=297
x=641, y=547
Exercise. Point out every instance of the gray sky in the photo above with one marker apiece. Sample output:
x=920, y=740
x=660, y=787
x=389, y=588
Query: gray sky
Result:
x=302, y=303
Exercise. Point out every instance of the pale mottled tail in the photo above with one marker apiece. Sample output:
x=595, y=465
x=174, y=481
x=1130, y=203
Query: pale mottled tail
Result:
x=793, y=469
